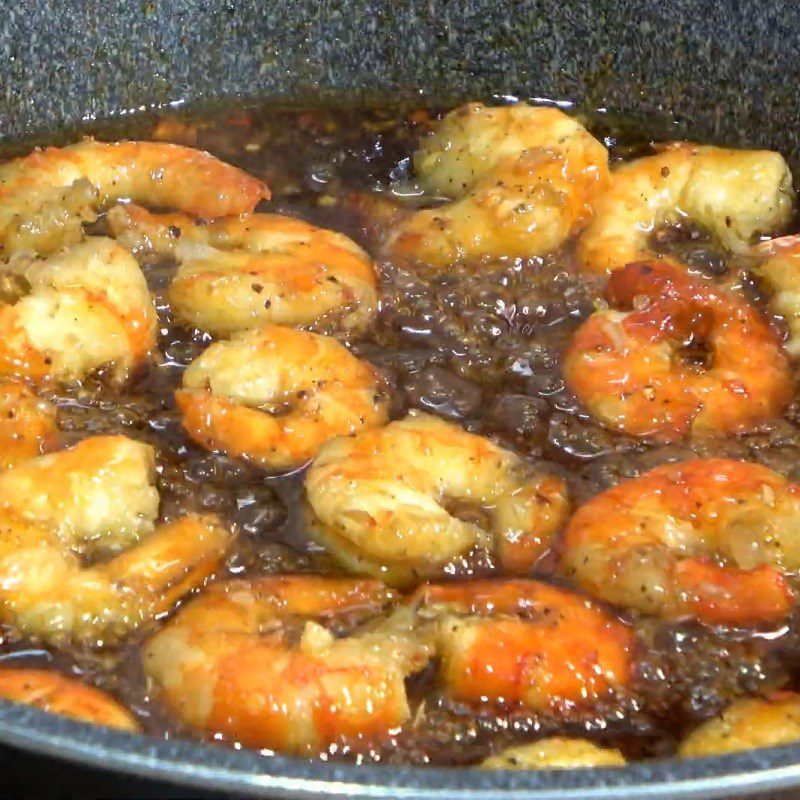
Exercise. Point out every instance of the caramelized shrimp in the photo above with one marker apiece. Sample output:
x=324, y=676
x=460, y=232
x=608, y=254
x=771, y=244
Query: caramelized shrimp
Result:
x=90, y=501
x=734, y=194
x=711, y=539
x=521, y=181
x=46, y=196
x=555, y=752
x=241, y=273
x=779, y=272
x=380, y=500
x=523, y=643
x=27, y=424
x=276, y=395
x=251, y=661
x=83, y=308
x=636, y=370
x=51, y=691
x=746, y=724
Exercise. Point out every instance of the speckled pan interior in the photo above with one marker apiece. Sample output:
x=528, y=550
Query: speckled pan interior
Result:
x=730, y=68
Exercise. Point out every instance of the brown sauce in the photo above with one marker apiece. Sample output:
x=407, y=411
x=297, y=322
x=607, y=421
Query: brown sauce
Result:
x=481, y=349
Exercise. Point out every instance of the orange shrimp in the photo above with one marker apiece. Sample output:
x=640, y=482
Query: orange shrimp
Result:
x=526, y=643
x=629, y=367
x=249, y=660
x=51, y=691
x=710, y=538
x=27, y=424
x=276, y=395
x=47, y=195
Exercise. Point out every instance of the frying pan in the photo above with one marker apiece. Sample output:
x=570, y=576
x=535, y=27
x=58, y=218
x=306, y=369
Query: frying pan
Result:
x=726, y=70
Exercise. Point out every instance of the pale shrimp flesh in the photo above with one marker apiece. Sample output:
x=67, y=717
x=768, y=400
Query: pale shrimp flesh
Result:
x=46, y=196
x=526, y=644
x=80, y=310
x=383, y=501
x=711, y=539
x=250, y=660
x=746, y=724
x=95, y=503
x=733, y=194
x=521, y=180
x=275, y=395
x=244, y=272
x=51, y=691
x=556, y=752
x=779, y=272
x=675, y=356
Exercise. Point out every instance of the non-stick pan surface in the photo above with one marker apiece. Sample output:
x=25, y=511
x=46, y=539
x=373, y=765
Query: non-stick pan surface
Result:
x=725, y=69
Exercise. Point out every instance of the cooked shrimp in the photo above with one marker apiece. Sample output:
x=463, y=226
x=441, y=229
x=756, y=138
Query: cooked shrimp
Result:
x=636, y=370
x=251, y=661
x=747, y=724
x=244, y=272
x=51, y=691
x=556, y=752
x=27, y=424
x=97, y=495
x=46, y=196
x=521, y=180
x=380, y=500
x=709, y=538
x=523, y=643
x=276, y=395
x=47, y=593
x=83, y=308
x=734, y=194
x=780, y=274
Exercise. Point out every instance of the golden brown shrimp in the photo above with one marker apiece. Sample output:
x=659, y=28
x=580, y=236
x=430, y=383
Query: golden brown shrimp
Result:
x=734, y=194
x=91, y=500
x=51, y=691
x=523, y=643
x=779, y=272
x=380, y=500
x=47, y=195
x=97, y=495
x=633, y=369
x=276, y=395
x=747, y=724
x=556, y=752
x=249, y=660
x=709, y=538
x=83, y=308
x=27, y=424
x=521, y=180
x=241, y=273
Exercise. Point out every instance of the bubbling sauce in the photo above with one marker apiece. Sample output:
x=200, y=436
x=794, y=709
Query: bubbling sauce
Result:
x=481, y=348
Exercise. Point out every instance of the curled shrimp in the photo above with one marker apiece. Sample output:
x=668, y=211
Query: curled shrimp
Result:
x=734, y=194
x=779, y=272
x=47, y=195
x=709, y=538
x=91, y=501
x=523, y=643
x=276, y=395
x=244, y=272
x=81, y=309
x=636, y=370
x=521, y=181
x=251, y=661
x=27, y=423
x=51, y=691
x=556, y=752
x=380, y=500
x=746, y=724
